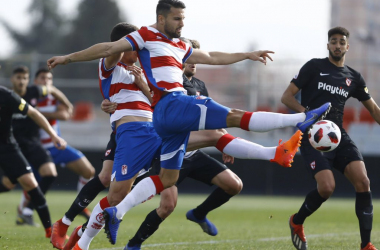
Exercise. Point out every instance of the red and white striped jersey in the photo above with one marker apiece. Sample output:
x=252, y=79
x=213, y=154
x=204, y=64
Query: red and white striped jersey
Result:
x=48, y=105
x=161, y=58
x=117, y=85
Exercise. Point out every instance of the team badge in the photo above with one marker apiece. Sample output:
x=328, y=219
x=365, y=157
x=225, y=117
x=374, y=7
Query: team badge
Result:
x=366, y=90
x=124, y=169
x=107, y=152
x=348, y=82
x=100, y=218
x=312, y=165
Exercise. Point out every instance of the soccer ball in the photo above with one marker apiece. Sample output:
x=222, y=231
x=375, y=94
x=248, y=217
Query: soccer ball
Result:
x=324, y=136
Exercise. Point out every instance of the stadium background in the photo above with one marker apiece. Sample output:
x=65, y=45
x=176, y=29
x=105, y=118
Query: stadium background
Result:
x=245, y=85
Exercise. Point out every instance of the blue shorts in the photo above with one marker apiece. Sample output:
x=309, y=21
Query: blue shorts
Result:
x=137, y=144
x=176, y=115
x=63, y=157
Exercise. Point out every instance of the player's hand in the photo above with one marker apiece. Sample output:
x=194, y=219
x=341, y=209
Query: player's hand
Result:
x=108, y=106
x=138, y=73
x=56, y=60
x=261, y=56
x=228, y=158
x=59, y=142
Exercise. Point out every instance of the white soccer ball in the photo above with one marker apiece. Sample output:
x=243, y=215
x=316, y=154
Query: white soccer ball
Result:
x=324, y=136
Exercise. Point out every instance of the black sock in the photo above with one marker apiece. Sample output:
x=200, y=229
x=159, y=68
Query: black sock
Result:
x=44, y=185
x=147, y=228
x=39, y=202
x=3, y=188
x=217, y=198
x=312, y=202
x=85, y=196
x=364, y=212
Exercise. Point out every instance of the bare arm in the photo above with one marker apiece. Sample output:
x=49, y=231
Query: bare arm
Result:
x=373, y=109
x=61, y=97
x=97, y=51
x=62, y=113
x=289, y=100
x=222, y=58
x=41, y=121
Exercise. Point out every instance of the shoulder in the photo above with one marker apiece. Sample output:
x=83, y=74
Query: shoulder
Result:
x=198, y=81
x=354, y=72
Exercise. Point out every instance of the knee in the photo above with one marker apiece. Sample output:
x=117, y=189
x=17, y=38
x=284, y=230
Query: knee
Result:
x=104, y=179
x=326, y=190
x=165, y=210
x=362, y=185
x=234, y=187
x=89, y=173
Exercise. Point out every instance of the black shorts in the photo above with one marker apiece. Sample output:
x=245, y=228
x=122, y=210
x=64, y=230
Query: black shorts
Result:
x=339, y=158
x=13, y=163
x=35, y=154
x=111, y=148
x=200, y=166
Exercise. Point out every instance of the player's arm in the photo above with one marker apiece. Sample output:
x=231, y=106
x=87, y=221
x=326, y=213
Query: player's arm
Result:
x=289, y=100
x=97, y=51
x=222, y=58
x=108, y=107
x=373, y=109
x=62, y=113
x=41, y=121
x=140, y=82
x=61, y=97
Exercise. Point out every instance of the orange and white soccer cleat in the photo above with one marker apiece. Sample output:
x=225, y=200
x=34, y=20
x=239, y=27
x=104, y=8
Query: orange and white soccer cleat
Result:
x=369, y=246
x=58, y=235
x=74, y=237
x=77, y=247
x=286, y=151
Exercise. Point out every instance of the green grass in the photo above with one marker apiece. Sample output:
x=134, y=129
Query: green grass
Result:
x=246, y=222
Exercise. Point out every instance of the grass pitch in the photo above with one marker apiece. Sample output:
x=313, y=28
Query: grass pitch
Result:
x=245, y=222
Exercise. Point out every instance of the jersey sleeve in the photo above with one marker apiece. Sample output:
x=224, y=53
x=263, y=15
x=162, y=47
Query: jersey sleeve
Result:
x=103, y=71
x=305, y=75
x=361, y=93
x=189, y=51
x=39, y=91
x=138, y=38
x=18, y=104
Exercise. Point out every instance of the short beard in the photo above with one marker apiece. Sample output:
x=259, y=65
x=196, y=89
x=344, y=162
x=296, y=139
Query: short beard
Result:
x=189, y=74
x=172, y=34
x=336, y=58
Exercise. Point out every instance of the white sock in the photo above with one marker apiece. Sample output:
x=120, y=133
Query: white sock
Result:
x=266, y=121
x=93, y=227
x=244, y=149
x=81, y=182
x=144, y=190
x=66, y=221
x=27, y=211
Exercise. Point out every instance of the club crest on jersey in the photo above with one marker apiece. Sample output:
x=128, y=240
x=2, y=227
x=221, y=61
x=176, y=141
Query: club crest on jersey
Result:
x=198, y=93
x=107, y=152
x=124, y=169
x=312, y=165
x=33, y=102
x=348, y=82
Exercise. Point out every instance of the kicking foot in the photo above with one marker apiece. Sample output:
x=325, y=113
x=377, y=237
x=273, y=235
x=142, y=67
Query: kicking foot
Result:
x=58, y=235
x=297, y=235
x=112, y=223
x=207, y=226
x=286, y=151
x=369, y=246
x=77, y=247
x=74, y=237
x=312, y=116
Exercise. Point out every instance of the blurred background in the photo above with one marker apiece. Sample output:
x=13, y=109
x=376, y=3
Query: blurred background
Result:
x=34, y=30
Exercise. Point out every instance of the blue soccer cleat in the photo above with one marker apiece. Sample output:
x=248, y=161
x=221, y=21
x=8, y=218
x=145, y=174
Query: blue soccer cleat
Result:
x=312, y=116
x=112, y=223
x=207, y=226
x=135, y=247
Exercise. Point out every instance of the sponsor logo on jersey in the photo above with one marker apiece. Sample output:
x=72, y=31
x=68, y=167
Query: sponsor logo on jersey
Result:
x=107, y=152
x=324, y=74
x=18, y=116
x=124, y=169
x=312, y=165
x=332, y=89
x=348, y=82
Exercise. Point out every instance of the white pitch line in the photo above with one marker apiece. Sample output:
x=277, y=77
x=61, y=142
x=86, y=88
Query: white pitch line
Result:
x=229, y=241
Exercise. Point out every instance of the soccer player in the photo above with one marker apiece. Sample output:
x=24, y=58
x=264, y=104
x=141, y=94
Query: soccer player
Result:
x=12, y=161
x=161, y=55
x=71, y=158
x=27, y=135
x=330, y=80
x=122, y=82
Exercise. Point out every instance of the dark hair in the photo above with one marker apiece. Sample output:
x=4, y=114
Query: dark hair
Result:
x=41, y=71
x=163, y=6
x=195, y=44
x=120, y=30
x=20, y=69
x=338, y=30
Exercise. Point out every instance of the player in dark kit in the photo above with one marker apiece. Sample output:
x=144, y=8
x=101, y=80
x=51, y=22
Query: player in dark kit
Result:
x=27, y=135
x=12, y=161
x=330, y=80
